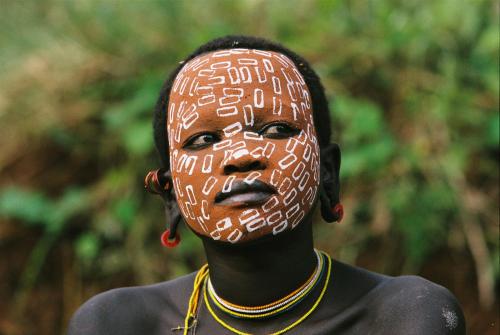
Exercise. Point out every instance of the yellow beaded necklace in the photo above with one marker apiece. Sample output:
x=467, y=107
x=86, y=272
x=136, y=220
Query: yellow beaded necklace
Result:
x=274, y=308
x=200, y=283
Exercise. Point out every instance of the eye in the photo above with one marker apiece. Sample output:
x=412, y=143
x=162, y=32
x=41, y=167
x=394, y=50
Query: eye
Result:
x=200, y=141
x=278, y=130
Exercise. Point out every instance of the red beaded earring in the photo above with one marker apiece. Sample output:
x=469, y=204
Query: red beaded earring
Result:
x=338, y=211
x=167, y=241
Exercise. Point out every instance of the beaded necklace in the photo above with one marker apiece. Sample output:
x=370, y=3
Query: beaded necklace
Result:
x=201, y=281
x=274, y=308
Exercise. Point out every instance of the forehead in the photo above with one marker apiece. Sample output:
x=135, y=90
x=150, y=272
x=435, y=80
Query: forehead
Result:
x=229, y=82
x=235, y=68
x=238, y=66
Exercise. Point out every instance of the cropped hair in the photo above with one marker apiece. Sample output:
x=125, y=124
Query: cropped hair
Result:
x=321, y=114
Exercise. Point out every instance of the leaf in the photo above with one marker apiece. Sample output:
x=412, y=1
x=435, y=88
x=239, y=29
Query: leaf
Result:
x=32, y=207
x=87, y=246
x=131, y=109
x=493, y=131
x=71, y=202
x=125, y=211
x=138, y=138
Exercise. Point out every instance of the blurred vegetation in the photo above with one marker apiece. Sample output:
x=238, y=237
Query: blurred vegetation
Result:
x=414, y=98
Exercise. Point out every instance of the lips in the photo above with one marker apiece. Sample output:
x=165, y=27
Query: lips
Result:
x=241, y=192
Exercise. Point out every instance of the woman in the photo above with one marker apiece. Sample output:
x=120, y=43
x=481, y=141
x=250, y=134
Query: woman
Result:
x=242, y=127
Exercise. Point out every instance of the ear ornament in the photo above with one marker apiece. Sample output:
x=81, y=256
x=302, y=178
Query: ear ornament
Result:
x=159, y=182
x=338, y=212
x=155, y=182
x=170, y=242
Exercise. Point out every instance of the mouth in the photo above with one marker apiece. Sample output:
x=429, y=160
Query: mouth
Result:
x=245, y=194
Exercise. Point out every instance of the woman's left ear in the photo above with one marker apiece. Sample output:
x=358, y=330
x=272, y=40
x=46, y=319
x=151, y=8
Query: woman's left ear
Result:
x=329, y=187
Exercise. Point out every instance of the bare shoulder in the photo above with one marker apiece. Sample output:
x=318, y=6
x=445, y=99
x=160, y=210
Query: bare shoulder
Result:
x=414, y=305
x=133, y=310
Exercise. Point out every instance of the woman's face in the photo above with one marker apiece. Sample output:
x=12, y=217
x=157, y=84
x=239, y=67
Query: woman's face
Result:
x=244, y=155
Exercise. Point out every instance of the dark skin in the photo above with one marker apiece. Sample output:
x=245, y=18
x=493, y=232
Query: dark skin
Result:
x=257, y=273
x=261, y=271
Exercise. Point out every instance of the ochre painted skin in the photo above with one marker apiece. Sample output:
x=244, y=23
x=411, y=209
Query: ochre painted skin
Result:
x=239, y=117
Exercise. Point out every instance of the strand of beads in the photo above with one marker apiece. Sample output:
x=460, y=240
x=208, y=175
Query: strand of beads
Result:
x=274, y=308
x=289, y=327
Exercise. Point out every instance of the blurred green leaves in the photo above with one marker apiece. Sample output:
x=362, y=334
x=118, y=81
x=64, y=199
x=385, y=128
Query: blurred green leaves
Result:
x=87, y=247
x=367, y=144
x=30, y=207
x=35, y=208
x=415, y=114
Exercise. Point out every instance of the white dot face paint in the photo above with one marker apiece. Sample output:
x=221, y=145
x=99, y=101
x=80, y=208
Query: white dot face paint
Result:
x=242, y=117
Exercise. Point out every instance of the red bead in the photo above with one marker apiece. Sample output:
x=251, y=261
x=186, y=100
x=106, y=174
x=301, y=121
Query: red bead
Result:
x=339, y=211
x=167, y=242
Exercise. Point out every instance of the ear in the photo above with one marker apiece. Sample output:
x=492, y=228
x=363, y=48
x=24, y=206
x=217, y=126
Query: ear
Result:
x=160, y=182
x=172, y=210
x=329, y=188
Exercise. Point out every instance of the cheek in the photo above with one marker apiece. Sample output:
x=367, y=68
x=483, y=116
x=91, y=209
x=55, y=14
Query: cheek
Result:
x=292, y=167
x=193, y=179
x=296, y=163
x=295, y=174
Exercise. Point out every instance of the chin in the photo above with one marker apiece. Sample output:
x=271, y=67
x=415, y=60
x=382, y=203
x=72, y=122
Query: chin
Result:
x=256, y=231
x=259, y=237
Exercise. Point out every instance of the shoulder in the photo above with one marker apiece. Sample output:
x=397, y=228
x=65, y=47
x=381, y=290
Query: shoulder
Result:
x=414, y=305
x=133, y=310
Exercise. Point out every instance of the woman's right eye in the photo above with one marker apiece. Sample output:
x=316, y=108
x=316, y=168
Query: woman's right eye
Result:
x=201, y=141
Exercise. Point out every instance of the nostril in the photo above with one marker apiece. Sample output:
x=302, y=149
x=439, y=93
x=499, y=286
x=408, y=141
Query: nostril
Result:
x=255, y=165
x=229, y=169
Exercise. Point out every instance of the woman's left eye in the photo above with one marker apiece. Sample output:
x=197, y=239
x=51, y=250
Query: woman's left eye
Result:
x=278, y=130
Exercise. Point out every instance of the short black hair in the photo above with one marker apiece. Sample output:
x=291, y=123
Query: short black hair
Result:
x=321, y=114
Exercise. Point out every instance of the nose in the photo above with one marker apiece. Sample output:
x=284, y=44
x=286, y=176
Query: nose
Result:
x=244, y=163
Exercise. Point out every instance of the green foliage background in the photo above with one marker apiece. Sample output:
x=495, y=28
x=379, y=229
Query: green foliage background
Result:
x=413, y=87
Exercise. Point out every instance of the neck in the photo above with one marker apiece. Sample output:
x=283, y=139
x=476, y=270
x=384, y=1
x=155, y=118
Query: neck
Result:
x=257, y=273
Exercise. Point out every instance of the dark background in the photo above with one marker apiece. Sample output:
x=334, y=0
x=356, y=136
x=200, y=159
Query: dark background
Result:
x=414, y=98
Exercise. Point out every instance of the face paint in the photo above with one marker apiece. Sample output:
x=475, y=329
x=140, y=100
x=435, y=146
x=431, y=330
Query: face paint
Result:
x=244, y=155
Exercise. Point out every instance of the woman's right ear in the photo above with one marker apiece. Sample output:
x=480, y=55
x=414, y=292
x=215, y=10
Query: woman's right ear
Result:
x=160, y=182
